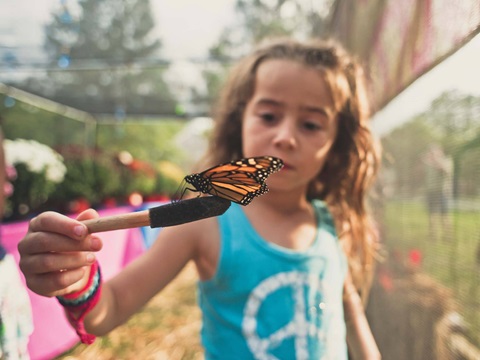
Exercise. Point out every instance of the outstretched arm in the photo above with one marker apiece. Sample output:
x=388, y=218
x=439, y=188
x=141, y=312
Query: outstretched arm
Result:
x=57, y=251
x=133, y=287
x=361, y=343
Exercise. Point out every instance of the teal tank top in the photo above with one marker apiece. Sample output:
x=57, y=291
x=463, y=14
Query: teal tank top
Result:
x=270, y=302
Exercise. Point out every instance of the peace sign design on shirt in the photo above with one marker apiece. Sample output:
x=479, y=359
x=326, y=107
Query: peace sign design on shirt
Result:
x=311, y=315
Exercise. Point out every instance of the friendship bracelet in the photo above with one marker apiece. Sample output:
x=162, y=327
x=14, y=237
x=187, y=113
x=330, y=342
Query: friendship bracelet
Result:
x=86, y=296
x=82, y=302
x=93, y=270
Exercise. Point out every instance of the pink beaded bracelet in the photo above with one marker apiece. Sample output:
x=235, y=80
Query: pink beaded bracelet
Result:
x=82, y=301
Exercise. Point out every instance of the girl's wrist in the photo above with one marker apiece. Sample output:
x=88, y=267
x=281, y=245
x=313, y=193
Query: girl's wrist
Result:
x=79, y=303
x=83, y=285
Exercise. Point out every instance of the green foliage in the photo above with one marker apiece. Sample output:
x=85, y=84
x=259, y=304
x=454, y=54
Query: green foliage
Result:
x=149, y=140
x=136, y=177
x=89, y=178
x=165, y=185
x=169, y=178
x=449, y=245
x=92, y=178
x=451, y=122
x=454, y=118
x=31, y=191
x=452, y=261
x=402, y=152
x=467, y=168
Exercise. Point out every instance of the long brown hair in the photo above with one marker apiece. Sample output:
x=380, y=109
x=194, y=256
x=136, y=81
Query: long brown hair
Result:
x=353, y=160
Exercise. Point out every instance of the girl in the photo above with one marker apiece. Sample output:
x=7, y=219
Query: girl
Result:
x=273, y=279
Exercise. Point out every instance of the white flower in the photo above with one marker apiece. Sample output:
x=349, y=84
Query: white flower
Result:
x=36, y=157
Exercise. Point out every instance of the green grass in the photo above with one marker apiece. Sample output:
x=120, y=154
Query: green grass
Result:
x=449, y=254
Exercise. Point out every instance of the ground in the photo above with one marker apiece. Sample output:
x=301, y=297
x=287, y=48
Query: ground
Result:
x=167, y=329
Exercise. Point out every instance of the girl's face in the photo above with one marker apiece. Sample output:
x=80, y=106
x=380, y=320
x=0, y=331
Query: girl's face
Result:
x=291, y=116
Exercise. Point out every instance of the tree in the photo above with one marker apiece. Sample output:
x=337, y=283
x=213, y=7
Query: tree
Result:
x=260, y=19
x=454, y=117
x=452, y=121
x=104, y=59
x=402, y=149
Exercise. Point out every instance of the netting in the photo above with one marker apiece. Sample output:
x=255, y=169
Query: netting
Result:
x=425, y=302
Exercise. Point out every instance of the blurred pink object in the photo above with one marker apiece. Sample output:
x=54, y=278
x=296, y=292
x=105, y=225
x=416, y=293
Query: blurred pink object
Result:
x=415, y=258
x=52, y=335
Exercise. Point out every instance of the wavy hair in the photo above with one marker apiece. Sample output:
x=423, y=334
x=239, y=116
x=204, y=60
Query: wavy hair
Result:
x=354, y=158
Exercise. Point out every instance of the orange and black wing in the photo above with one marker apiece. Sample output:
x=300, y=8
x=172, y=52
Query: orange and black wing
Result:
x=239, y=181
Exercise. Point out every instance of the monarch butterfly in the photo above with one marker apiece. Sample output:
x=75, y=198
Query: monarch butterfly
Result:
x=239, y=181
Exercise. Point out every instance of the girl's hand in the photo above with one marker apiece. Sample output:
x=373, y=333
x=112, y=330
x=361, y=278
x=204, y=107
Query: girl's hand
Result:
x=56, y=253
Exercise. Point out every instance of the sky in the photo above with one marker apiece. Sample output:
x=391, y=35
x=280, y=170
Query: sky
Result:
x=189, y=27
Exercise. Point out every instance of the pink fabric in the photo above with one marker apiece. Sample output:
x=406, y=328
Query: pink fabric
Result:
x=398, y=41
x=52, y=335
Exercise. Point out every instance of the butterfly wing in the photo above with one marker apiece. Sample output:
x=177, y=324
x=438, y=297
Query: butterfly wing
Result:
x=239, y=181
x=239, y=193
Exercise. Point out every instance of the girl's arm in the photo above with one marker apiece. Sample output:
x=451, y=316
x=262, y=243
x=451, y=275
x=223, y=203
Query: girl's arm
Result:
x=361, y=344
x=133, y=287
x=56, y=254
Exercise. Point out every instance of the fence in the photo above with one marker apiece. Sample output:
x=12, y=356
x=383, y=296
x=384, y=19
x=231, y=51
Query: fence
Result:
x=425, y=302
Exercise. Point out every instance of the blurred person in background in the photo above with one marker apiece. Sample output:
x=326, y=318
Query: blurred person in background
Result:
x=15, y=309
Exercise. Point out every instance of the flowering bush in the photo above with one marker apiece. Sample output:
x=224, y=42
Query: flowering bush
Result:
x=39, y=169
x=91, y=177
x=46, y=180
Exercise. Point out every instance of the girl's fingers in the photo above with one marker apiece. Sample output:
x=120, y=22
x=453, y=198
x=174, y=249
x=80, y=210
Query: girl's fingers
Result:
x=55, y=262
x=87, y=215
x=56, y=283
x=56, y=251
x=41, y=242
x=58, y=223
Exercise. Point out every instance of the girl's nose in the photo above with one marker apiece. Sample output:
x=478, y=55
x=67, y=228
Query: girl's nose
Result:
x=285, y=136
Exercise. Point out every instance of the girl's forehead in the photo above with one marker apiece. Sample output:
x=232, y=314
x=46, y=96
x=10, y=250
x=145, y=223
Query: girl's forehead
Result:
x=292, y=79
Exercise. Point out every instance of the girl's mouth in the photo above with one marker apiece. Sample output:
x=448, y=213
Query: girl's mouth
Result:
x=287, y=166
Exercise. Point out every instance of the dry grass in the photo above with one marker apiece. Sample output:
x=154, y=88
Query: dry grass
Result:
x=167, y=328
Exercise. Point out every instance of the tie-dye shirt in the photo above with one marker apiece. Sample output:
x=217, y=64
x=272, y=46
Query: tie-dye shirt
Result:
x=270, y=302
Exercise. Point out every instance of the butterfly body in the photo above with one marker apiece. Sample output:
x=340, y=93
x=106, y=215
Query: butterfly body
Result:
x=239, y=181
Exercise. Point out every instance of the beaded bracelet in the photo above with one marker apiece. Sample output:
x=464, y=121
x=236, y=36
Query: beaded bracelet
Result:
x=82, y=301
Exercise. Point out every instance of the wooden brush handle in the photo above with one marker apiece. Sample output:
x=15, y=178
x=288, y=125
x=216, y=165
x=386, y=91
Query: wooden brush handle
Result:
x=116, y=222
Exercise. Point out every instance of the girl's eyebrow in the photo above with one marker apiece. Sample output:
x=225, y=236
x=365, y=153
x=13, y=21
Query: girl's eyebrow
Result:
x=320, y=110
x=311, y=109
x=267, y=101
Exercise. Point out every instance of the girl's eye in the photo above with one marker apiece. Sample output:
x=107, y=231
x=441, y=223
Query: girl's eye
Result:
x=311, y=126
x=267, y=117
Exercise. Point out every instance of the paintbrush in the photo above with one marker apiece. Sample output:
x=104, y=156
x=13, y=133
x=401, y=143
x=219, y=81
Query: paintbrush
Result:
x=171, y=214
